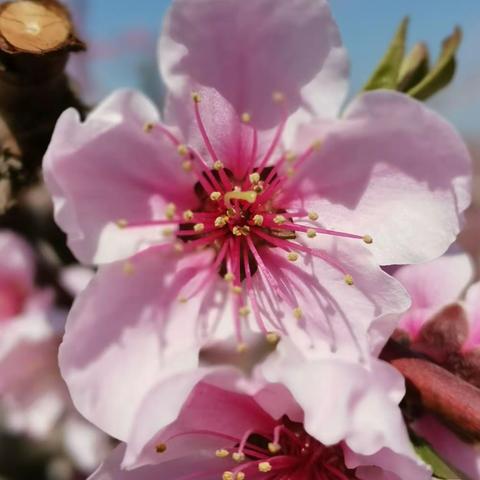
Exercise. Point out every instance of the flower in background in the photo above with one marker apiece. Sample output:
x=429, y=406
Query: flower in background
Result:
x=33, y=397
x=250, y=207
x=444, y=324
x=296, y=426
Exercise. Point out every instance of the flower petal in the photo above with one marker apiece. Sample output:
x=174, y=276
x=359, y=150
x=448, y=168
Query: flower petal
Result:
x=17, y=264
x=223, y=44
x=108, y=169
x=391, y=169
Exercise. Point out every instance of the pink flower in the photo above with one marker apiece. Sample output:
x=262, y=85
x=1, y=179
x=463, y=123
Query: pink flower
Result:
x=34, y=399
x=297, y=426
x=251, y=203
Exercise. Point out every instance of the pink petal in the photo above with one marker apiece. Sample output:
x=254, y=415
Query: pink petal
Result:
x=108, y=169
x=17, y=264
x=127, y=331
x=224, y=45
x=392, y=169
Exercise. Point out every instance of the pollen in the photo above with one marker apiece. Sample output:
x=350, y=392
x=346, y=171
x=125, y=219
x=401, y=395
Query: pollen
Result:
x=292, y=256
x=313, y=216
x=228, y=476
x=148, y=127
x=367, y=239
x=187, y=215
x=199, y=227
x=167, y=232
x=238, y=457
x=279, y=219
x=161, y=448
x=274, y=447
x=242, y=347
x=221, y=221
x=239, y=231
x=297, y=313
x=273, y=338
x=278, y=97
x=246, y=117
x=187, y=166
x=170, y=211
x=196, y=97
x=122, y=223
x=254, y=178
x=348, y=279
x=182, y=150
x=264, y=467
x=222, y=453
x=244, y=311
x=240, y=476
x=237, y=289
x=229, y=277
x=311, y=233
x=218, y=165
x=215, y=196
x=258, y=220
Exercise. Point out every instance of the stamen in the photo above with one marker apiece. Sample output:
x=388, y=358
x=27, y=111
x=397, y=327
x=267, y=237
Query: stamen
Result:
x=238, y=457
x=278, y=97
x=311, y=233
x=246, y=117
x=199, y=227
x=313, y=216
x=349, y=280
x=274, y=448
x=128, y=268
x=218, y=165
x=242, y=347
x=265, y=467
x=188, y=215
x=368, y=239
x=244, y=311
x=273, y=338
x=229, y=277
x=228, y=476
x=254, y=178
x=122, y=223
x=148, y=127
x=258, y=220
x=182, y=150
x=161, y=448
x=215, y=196
x=297, y=313
x=170, y=211
x=221, y=221
x=187, y=166
x=279, y=219
x=292, y=256
x=222, y=453
x=249, y=197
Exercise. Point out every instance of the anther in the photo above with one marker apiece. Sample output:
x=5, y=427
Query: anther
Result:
x=228, y=476
x=178, y=247
x=167, y=232
x=297, y=313
x=348, y=279
x=242, y=347
x=221, y=221
x=273, y=338
x=128, y=268
x=182, y=299
x=244, y=311
x=278, y=97
x=246, y=117
x=367, y=239
x=290, y=157
x=239, y=231
x=161, y=448
x=313, y=216
x=170, y=211
x=279, y=220
x=222, y=453
x=229, y=277
x=238, y=457
x=199, y=227
x=258, y=188
x=218, y=165
x=240, y=476
x=148, y=127
x=292, y=256
x=196, y=97
x=290, y=172
x=187, y=215
x=317, y=145
x=254, y=177
x=215, y=196
x=264, y=467
x=311, y=233
x=187, y=166
x=182, y=150
x=258, y=220
x=274, y=447
x=122, y=223
x=237, y=289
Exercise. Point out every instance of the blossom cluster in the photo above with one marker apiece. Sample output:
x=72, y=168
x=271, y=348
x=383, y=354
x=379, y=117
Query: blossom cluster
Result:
x=234, y=325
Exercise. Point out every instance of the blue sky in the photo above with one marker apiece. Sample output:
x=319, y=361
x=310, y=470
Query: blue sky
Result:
x=366, y=28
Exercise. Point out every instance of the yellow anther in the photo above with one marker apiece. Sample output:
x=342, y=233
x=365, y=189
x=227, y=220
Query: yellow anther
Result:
x=182, y=150
x=122, y=223
x=170, y=211
x=265, y=467
x=196, y=97
x=311, y=233
x=215, y=196
x=128, y=268
x=161, y=448
x=221, y=221
x=274, y=447
x=239, y=231
x=297, y=313
x=272, y=338
x=249, y=196
x=222, y=453
x=278, y=97
x=246, y=117
x=167, y=232
x=238, y=457
x=313, y=216
x=199, y=227
x=290, y=172
x=368, y=239
x=240, y=476
x=348, y=279
x=218, y=165
x=292, y=256
x=317, y=145
x=242, y=347
x=182, y=299
x=231, y=212
x=148, y=127
x=279, y=220
x=258, y=220
x=244, y=311
x=237, y=289
x=229, y=277
x=290, y=157
x=178, y=247
x=187, y=166
x=188, y=215
x=254, y=177
x=228, y=476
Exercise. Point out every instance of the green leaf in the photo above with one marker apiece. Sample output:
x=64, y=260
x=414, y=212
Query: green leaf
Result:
x=440, y=468
x=414, y=69
x=443, y=71
x=386, y=73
